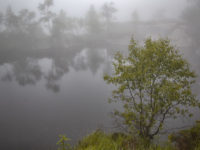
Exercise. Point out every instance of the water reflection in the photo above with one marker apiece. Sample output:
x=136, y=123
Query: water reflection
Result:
x=31, y=114
x=31, y=70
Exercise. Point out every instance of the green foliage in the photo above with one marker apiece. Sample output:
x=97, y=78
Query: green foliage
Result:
x=63, y=143
x=157, y=147
x=188, y=139
x=153, y=83
x=101, y=141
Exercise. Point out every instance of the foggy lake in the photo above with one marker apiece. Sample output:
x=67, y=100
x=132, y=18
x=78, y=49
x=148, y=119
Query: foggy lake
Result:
x=52, y=62
x=34, y=115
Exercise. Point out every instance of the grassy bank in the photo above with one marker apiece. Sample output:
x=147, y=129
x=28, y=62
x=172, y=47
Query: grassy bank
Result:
x=99, y=140
x=188, y=139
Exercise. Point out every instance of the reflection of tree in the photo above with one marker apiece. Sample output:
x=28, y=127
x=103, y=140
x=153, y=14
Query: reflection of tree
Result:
x=30, y=71
x=58, y=69
x=91, y=59
x=27, y=73
x=24, y=72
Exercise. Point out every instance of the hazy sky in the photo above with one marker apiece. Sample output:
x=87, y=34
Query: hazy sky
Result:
x=146, y=8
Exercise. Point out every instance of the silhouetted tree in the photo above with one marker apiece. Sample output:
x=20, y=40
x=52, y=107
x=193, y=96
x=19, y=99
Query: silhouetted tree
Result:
x=191, y=23
x=1, y=20
x=108, y=10
x=135, y=17
x=46, y=14
x=61, y=29
x=93, y=21
x=26, y=20
x=11, y=20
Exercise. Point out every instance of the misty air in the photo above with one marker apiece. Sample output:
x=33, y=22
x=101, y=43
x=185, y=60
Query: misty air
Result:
x=99, y=75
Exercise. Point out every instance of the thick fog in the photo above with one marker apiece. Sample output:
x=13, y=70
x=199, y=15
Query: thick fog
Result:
x=53, y=55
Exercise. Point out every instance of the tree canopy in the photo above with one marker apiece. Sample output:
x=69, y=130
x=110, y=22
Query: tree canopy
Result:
x=153, y=83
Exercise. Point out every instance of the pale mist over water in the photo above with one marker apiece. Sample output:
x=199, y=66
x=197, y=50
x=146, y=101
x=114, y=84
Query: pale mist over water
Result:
x=53, y=55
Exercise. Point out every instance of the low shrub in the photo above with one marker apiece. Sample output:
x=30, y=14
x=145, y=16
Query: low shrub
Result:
x=188, y=139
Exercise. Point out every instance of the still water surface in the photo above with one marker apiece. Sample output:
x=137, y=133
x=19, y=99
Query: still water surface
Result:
x=40, y=100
